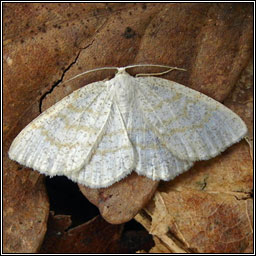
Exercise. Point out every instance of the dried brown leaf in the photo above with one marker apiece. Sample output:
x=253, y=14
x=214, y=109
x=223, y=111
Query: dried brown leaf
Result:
x=46, y=42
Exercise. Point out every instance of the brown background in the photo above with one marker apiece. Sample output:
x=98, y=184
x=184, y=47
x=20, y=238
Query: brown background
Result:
x=46, y=43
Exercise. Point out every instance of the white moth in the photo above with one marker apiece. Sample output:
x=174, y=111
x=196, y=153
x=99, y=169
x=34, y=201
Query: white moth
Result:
x=100, y=133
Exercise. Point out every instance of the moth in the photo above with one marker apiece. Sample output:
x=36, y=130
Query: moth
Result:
x=103, y=131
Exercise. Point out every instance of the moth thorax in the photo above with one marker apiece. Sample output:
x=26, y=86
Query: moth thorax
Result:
x=124, y=93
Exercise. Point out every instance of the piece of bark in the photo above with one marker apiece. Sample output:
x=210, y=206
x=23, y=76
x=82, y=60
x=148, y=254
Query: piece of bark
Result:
x=47, y=43
x=121, y=202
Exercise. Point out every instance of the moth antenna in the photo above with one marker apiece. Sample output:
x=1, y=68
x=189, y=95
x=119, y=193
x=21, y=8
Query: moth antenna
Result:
x=154, y=65
x=88, y=71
